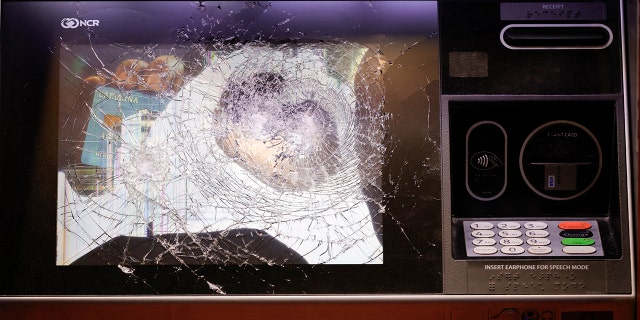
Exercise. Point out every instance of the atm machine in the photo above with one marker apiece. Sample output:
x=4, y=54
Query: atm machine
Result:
x=453, y=159
x=533, y=182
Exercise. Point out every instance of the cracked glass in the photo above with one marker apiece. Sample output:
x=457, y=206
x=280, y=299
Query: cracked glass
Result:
x=253, y=137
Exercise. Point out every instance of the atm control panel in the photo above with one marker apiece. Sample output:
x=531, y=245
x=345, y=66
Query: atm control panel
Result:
x=532, y=238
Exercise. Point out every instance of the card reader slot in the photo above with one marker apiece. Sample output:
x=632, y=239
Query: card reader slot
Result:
x=542, y=36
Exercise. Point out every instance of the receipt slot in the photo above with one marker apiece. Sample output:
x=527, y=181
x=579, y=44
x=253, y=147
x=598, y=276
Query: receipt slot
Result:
x=535, y=183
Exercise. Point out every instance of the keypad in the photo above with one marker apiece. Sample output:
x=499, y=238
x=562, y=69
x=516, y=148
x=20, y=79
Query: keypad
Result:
x=515, y=238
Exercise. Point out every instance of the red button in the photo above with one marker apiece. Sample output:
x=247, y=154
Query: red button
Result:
x=574, y=225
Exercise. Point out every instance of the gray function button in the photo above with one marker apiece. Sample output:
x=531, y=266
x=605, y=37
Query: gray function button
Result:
x=537, y=233
x=483, y=242
x=538, y=241
x=511, y=241
x=535, y=225
x=481, y=225
x=508, y=225
x=485, y=250
x=579, y=250
x=512, y=250
x=540, y=250
x=483, y=233
x=509, y=233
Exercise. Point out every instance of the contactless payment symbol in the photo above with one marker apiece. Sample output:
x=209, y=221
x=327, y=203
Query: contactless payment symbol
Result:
x=485, y=160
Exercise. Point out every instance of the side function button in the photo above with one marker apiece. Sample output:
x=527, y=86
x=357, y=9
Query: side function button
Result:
x=538, y=241
x=512, y=250
x=579, y=250
x=481, y=226
x=578, y=241
x=536, y=225
x=574, y=225
x=483, y=242
x=509, y=233
x=537, y=233
x=540, y=250
x=576, y=234
x=483, y=233
x=485, y=250
x=508, y=225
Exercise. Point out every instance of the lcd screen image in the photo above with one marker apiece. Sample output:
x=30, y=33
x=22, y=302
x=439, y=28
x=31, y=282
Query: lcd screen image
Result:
x=259, y=148
x=274, y=144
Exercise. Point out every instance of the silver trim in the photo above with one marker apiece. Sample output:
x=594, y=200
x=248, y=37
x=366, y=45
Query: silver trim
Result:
x=328, y=298
x=632, y=212
x=556, y=25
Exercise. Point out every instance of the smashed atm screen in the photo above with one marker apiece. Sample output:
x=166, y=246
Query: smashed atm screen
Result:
x=229, y=153
x=224, y=158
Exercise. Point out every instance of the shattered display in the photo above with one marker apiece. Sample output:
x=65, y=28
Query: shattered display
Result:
x=274, y=140
x=284, y=145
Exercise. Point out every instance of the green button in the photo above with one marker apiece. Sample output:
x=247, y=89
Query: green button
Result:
x=578, y=241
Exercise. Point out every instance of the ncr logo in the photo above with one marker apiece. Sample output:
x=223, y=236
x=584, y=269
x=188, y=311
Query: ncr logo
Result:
x=72, y=23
